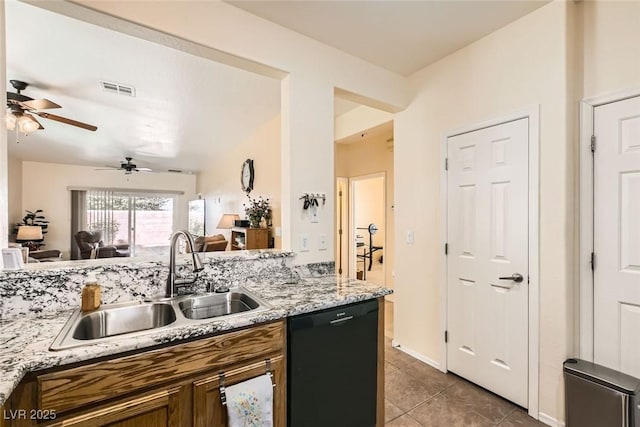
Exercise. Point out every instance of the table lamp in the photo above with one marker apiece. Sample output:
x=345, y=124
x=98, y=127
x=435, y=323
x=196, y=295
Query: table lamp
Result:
x=29, y=234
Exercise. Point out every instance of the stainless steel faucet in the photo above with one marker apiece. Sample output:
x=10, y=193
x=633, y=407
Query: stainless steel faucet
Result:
x=172, y=281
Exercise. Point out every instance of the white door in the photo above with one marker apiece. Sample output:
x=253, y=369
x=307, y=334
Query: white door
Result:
x=617, y=236
x=487, y=262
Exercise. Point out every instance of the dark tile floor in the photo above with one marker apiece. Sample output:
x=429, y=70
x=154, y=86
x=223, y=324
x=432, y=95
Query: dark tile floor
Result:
x=417, y=395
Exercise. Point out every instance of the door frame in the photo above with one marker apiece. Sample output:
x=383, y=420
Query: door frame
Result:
x=585, y=274
x=532, y=113
x=353, y=260
x=342, y=216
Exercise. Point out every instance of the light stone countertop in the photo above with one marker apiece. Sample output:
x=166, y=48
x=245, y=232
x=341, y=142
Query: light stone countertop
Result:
x=24, y=342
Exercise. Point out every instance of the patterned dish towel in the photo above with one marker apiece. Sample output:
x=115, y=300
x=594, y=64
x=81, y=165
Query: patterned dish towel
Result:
x=250, y=403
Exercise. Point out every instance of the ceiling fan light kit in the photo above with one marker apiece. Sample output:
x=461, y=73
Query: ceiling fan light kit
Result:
x=24, y=122
x=22, y=108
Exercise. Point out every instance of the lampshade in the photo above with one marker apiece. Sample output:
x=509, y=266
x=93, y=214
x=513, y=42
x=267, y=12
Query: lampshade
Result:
x=227, y=220
x=11, y=120
x=29, y=232
x=26, y=123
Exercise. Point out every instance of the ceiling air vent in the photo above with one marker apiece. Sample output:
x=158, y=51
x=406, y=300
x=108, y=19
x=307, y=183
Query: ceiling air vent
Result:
x=118, y=88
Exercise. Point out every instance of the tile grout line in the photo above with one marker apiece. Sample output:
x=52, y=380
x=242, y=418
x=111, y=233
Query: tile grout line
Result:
x=506, y=416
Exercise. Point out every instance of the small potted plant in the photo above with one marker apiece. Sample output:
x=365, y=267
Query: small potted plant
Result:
x=257, y=211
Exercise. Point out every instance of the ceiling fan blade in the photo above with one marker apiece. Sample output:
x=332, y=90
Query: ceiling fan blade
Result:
x=67, y=121
x=40, y=127
x=109, y=168
x=143, y=170
x=40, y=104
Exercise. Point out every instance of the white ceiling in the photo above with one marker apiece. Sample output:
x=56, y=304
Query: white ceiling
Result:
x=187, y=110
x=401, y=36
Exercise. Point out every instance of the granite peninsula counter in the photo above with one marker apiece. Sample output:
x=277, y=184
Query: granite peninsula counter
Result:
x=36, y=303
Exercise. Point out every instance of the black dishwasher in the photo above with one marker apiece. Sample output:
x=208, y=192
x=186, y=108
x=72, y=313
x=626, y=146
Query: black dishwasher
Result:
x=332, y=367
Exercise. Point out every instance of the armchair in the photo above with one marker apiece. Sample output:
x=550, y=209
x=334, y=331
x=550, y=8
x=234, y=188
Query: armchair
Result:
x=91, y=246
x=210, y=243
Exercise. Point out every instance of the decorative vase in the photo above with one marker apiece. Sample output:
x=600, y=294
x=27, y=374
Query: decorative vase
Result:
x=254, y=222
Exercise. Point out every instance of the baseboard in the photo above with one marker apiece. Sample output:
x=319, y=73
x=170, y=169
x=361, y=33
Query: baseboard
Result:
x=549, y=420
x=416, y=355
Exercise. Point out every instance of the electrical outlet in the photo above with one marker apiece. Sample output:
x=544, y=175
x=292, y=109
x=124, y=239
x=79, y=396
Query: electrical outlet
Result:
x=322, y=242
x=304, y=242
x=278, y=231
x=410, y=237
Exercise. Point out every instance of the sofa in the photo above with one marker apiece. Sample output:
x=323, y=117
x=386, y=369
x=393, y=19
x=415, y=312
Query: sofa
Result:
x=49, y=255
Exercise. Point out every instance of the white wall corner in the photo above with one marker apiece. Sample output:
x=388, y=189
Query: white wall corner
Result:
x=549, y=420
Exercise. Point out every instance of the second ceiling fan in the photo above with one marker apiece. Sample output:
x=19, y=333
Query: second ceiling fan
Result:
x=128, y=167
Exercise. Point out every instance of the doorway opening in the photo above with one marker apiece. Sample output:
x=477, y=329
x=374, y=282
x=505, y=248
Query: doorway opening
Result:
x=364, y=173
x=367, y=228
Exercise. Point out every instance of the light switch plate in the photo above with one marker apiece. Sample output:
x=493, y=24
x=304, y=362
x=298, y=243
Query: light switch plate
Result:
x=278, y=231
x=410, y=237
x=304, y=242
x=313, y=214
x=322, y=242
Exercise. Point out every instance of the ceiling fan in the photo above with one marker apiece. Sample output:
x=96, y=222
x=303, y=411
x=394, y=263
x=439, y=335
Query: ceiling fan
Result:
x=22, y=109
x=128, y=167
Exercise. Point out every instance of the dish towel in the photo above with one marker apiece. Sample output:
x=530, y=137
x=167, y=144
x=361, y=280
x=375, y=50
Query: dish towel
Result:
x=250, y=403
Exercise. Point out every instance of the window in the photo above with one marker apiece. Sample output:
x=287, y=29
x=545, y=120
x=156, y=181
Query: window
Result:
x=145, y=221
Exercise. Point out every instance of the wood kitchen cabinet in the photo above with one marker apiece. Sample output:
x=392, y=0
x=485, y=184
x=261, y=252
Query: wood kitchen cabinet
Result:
x=249, y=238
x=174, y=386
x=160, y=408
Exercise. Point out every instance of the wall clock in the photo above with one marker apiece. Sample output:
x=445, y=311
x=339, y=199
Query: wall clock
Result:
x=246, y=177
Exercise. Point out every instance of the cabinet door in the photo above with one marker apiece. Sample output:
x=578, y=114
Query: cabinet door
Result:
x=159, y=408
x=207, y=406
x=257, y=238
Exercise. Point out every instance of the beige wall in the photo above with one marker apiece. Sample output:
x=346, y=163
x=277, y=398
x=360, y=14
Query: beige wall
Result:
x=523, y=64
x=45, y=186
x=220, y=183
x=611, y=55
x=373, y=155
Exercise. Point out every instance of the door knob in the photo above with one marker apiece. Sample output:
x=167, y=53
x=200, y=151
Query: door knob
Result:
x=516, y=277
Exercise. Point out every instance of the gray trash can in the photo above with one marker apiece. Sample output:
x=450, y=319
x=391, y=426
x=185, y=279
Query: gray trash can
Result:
x=597, y=396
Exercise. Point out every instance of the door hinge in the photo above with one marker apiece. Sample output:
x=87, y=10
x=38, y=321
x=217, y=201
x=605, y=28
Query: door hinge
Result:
x=446, y=249
x=446, y=163
x=593, y=143
x=446, y=336
x=593, y=261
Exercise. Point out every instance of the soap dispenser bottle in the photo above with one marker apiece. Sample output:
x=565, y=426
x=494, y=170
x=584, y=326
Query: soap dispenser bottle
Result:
x=90, y=293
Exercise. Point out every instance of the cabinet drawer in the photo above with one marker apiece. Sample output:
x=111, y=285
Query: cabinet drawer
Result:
x=73, y=388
